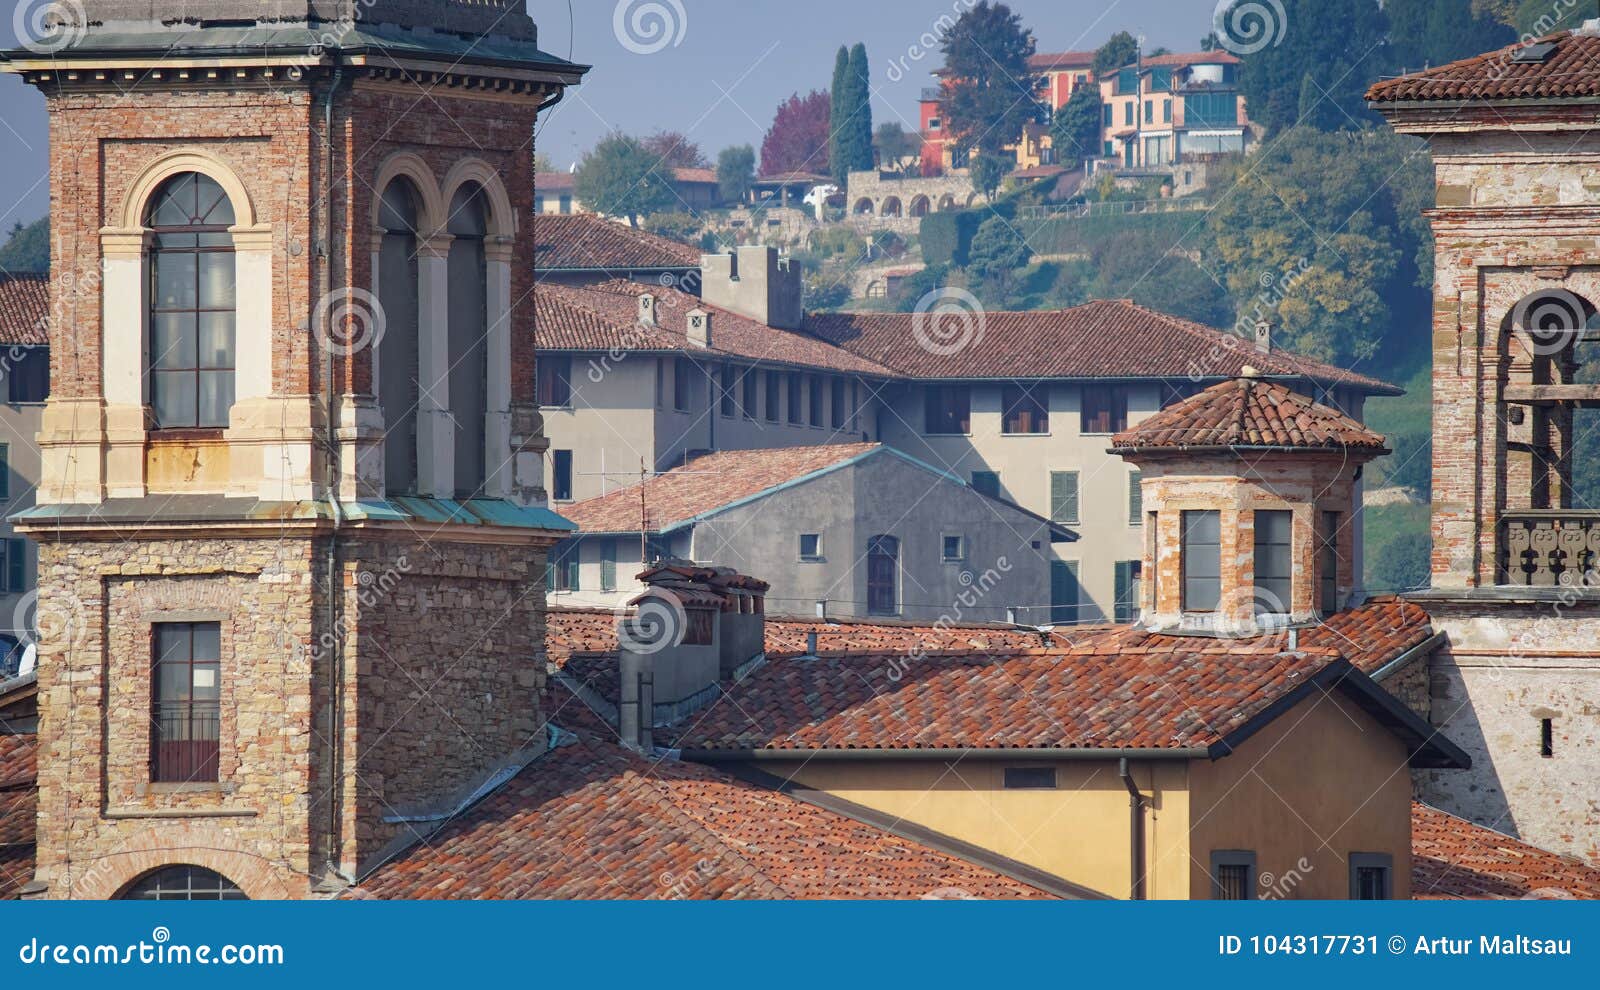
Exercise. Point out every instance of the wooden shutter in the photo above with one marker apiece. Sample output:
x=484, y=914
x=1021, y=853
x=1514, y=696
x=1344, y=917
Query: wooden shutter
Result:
x=1064, y=496
x=1135, y=499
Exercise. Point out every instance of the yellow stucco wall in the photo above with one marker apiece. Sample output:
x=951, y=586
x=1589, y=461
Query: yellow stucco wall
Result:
x=1321, y=782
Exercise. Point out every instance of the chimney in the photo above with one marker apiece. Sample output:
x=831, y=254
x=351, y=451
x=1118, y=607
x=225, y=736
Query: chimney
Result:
x=647, y=310
x=699, y=328
x=1264, y=336
x=755, y=283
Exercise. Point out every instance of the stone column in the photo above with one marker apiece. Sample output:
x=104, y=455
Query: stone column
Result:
x=124, y=330
x=436, y=431
x=499, y=254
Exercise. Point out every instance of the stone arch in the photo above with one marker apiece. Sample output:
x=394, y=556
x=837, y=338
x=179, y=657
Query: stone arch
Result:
x=972, y=199
x=175, y=163
x=863, y=208
x=892, y=207
x=152, y=848
x=946, y=202
x=404, y=164
x=921, y=206
x=502, y=218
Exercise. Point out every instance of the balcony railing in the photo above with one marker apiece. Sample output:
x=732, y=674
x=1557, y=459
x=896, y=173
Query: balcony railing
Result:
x=1550, y=548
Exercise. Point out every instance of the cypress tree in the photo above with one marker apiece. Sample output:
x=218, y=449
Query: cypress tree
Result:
x=836, y=119
x=859, y=156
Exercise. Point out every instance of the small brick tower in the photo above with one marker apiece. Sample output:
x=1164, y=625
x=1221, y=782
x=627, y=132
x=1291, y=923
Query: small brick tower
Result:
x=1249, y=491
x=291, y=514
x=1516, y=548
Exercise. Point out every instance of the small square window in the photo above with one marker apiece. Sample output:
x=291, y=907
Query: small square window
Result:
x=1030, y=778
x=810, y=546
x=954, y=549
x=1233, y=875
x=1371, y=876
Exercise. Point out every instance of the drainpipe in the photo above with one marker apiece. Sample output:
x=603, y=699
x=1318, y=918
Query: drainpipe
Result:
x=1136, y=805
x=336, y=661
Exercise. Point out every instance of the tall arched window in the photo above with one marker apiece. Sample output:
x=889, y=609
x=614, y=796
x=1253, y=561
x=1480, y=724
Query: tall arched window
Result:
x=183, y=883
x=398, y=354
x=468, y=335
x=193, y=314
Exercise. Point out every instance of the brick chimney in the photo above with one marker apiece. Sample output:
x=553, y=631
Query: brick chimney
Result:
x=693, y=628
x=755, y=283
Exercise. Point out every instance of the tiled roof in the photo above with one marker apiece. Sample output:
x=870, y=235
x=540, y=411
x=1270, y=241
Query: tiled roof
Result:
x=793, y=178
x=19, y=800
x=591, y=820
x=706, y=484
x=1373, y=635
x=1454, y=859
x=586, y=242
x=555, y=182
x=702, y=176
x=1571, y=71
x=1046, y=61
x=606, y=317
x=1101, y=339
x=24, y=310
x=1249, y=412
x=1181, y=59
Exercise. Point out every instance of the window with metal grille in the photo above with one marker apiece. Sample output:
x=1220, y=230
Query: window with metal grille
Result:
x=1027, y=410
x=192, y=304
x=1371, y=876
x=186, y=709
x=1064, y=497
x=183, y=883
x=1202, y=561
x=1274, y=555
x=1233, y=875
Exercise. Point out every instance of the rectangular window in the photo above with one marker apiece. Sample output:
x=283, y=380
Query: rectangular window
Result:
x=1064, y=497
x=836, y=400
x=561, y=475
x=1233, y=875
x=1202, y=561
x=1149, y=111
x=1127, y=591
x=1030, y=778
x=1027, y=410
x=774, y=396
x=682, y=368
x=656, y=549
x=810, y=546
x=749, y=399
x=1328, y=563
x=947, y=410
x=608, y=565
x=1135, y=498
x=954, y=549
x=1547, y=738
x=1110, y=118
x=555, y=381
x=562, y=573
x=1152, y=553
x=1371, y=876
x=1127, y=114
x=29, y=378
x=1104, y=410
x=1065, y=592
x=5, y=470
x=796, y=411
x=186, y=710
x=661, y=383
x=14, y=571
x=1274, y=552
x=725, y=390
x=986, y=483
x=814, y=398
x=566, y=204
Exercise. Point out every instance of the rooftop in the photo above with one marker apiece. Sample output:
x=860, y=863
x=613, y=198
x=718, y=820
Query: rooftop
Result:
x=1249, y=412
x=24, y=310
x=1560, y=66
x=19, y=800
x=1454, y=859
x=585, y=242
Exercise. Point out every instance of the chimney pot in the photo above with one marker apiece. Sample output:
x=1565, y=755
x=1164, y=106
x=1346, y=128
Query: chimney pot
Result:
x=647, y=310
x=1264, y=336
x=811, y=644
x=699, y=330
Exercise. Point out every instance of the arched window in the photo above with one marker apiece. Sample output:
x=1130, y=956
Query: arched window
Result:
x=192, y=304
x=398, y=353
x=183, y=883
x=468, y=335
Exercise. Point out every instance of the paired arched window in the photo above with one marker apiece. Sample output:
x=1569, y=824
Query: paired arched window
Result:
x=193, y=311
x=468, y=335
x=183, y=883
x=398, y=355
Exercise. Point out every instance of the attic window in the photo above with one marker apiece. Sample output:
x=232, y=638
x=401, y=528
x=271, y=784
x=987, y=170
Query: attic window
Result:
x=1534, y=54
x=1030, y=778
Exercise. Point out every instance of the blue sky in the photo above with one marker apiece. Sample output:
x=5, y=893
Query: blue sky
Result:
x=732, y=63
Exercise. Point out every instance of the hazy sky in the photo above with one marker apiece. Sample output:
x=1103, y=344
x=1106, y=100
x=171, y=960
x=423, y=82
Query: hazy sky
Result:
x=732, y=63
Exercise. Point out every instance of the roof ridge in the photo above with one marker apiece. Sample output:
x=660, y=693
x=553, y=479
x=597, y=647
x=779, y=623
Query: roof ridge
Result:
x=700, y=827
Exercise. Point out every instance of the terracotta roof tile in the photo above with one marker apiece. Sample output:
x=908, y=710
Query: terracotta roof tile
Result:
x=594, y=821
x=1179, y=59
x=1101, y=339
x=1047, y=61
x=707, y=483
x=1571, y=71
x=585, y=242
x=1249, y=412
x=1454, y=859
x=24, y=310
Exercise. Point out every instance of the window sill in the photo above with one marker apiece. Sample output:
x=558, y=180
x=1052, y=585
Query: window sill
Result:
x=813, y=560
x=959, y=436
x=1026, y=436
x=125, y=813
x=213, y=434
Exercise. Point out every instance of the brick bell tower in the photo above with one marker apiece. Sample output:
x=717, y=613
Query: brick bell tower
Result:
x=291, y=520
x=1516, y=545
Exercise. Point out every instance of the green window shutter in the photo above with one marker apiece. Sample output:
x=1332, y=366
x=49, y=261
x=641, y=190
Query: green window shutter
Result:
x=16, y=565
x=1064, y=496
x=571, y=563
x=1065, y=593
x=1135, y=499
x=608, y=565
x=1127, y=593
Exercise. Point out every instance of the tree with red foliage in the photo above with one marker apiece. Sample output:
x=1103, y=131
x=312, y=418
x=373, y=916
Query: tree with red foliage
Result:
x=798, y=140
x=675, y=150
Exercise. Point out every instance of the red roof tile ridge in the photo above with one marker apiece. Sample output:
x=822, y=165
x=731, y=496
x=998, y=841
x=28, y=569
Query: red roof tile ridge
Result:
x=701, y=830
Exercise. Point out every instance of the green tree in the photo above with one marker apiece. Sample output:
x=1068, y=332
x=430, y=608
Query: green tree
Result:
x=1537, y=18
x=855, y=129
x=998, y=253
x=1434, y=32
x=896, y=146
x=1154, y=272
x=1075, y=132
x=992, y=91
x=987, y=172
x=1320, y=234
x=837, y=113
x=736, y=172
x=619, y=178
x=28, y=248
x=675, y=150
x=1121, y=50
x=1338, y=45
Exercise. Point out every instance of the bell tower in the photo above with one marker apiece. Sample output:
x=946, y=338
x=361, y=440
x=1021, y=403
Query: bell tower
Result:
x=291, y=520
